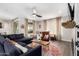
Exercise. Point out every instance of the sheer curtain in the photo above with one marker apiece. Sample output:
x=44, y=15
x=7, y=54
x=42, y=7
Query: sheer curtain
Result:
x=15, y=27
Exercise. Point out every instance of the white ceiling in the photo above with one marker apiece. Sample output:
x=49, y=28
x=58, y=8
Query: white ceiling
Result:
x=47, y=10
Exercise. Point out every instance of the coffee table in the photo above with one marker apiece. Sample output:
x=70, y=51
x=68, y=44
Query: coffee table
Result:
x=44, y=45
x=33, y=45
x=41, y=42
x=38, y=42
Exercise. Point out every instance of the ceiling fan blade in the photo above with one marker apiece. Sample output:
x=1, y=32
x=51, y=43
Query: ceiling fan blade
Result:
x=38, y=15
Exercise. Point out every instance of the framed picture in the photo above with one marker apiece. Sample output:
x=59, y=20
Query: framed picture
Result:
x=0, y=25
x=39, y=26
x=22, y=26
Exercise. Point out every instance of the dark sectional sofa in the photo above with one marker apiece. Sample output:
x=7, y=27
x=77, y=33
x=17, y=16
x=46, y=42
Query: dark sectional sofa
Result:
x=7, y=49
x=18, y=38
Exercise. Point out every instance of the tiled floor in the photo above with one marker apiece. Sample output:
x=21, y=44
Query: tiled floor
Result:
x=61, y=48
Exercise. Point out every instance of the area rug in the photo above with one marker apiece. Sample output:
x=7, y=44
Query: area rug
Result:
x=52, y=50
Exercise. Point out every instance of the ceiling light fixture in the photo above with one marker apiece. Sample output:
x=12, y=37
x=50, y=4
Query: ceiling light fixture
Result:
x=35, y=13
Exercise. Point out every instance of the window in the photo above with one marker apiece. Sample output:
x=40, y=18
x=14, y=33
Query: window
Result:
x=30, y=27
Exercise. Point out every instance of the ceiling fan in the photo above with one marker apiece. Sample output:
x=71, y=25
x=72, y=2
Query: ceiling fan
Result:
x=14, y=19
x=70, y=23
x=35, y=13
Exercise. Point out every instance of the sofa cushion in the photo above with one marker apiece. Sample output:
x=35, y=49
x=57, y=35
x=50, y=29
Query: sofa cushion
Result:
x=21, y=43
x=33, y=52
x=2, y=51
x=6, y=48
x=12, y=37
x=15, y=36
x=11, y=50
x=25, y=40
x=2, y=39
x=4, y=36
x=19, y=36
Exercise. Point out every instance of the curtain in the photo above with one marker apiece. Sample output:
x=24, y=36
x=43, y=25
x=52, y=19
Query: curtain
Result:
x=15, y=27
x=26, y=27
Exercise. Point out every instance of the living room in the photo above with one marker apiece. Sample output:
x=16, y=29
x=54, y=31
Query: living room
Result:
x=37, y=27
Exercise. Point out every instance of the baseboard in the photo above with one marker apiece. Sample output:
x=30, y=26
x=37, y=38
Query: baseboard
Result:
x=65, y=40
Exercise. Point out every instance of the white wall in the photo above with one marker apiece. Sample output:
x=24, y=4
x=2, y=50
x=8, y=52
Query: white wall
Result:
x=41, y=24
x=66, y=34
x=6, y=27
x=51, y=26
